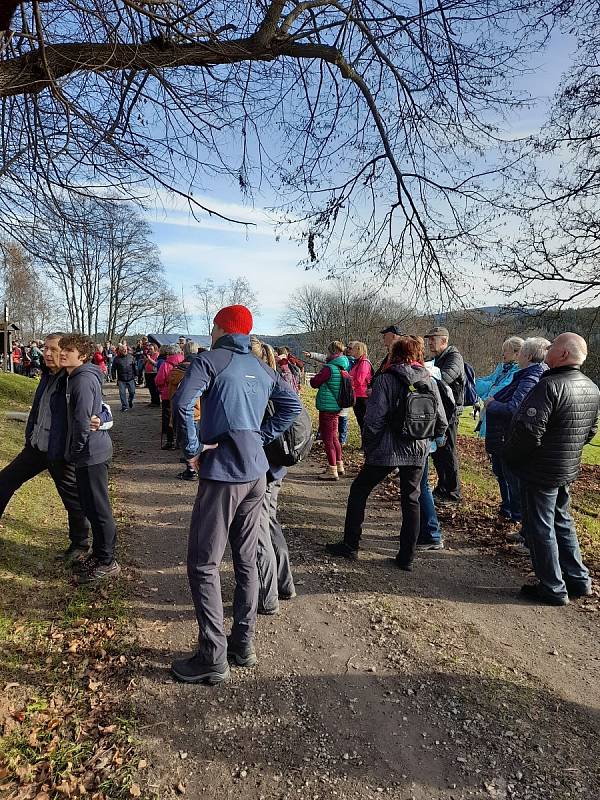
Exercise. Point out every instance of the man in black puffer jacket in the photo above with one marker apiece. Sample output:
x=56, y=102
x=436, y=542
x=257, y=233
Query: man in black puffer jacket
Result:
x=452, y=366
x=544, y=445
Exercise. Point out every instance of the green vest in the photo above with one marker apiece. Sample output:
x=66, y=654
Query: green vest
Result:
x=329, y=392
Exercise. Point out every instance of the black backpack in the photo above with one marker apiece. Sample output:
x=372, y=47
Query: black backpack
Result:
x=415, y=414
x=294, y=444
x=345, y=398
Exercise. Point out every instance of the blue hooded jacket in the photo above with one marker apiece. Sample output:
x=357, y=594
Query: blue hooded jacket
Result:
x=235, y=387
x=501, y=410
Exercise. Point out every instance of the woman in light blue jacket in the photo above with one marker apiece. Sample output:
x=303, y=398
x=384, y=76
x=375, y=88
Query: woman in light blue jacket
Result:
x=490, y=385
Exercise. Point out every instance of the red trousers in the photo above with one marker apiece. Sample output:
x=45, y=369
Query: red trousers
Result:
x=328, y=426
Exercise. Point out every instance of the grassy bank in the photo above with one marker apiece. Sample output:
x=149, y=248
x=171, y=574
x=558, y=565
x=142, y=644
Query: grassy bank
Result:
x=64, y=651
x=478, y=512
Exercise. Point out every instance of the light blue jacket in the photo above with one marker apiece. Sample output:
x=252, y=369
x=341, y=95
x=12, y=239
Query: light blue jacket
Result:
x=490, y=385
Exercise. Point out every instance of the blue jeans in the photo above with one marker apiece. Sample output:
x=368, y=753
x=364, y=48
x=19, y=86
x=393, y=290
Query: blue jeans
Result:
x=343, y=429
x=509, y=484
x=430, y=531
x=126, y=387
x=550, y=533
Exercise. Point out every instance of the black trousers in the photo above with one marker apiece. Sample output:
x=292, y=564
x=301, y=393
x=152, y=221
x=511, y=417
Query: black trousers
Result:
x=410, y=491
x=92, y=484
x=360, y=409
x=151, y=385
x=31, y=462
x=445, y=460
x=166, y=427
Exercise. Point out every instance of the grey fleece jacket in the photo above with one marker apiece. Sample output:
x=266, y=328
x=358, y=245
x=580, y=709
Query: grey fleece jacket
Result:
x=381, y=445
x=84, y=399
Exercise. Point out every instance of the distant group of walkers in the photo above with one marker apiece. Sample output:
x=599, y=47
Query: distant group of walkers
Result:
x=25, y=358
x=235, y=413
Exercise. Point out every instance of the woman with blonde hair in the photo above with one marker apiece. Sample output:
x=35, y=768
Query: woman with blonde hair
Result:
x=361, y=373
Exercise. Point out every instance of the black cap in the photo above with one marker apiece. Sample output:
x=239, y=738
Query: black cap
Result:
x=392, y=329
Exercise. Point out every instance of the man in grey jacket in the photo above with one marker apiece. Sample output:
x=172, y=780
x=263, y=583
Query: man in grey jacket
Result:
x=543, y=448
x=445, y=459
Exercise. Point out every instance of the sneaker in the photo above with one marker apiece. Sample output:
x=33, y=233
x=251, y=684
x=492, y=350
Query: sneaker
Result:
x=579, y=591
x=124, y=409
x=188, y=475
x=341, y=549
x=403, y=565
x=196, y=670
x=289, y=596
x=268, y=612
x=99, y=572
x=74, y=554
x=537, y=594
x=241, y=656
x=167, y=446
x=430, y=546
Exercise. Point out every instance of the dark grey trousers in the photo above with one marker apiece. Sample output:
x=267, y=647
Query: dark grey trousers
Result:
x=272, y=554
x=224, y=511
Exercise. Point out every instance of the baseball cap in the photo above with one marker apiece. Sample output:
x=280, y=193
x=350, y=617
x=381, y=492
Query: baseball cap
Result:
x=392, y=329
x=438, y=331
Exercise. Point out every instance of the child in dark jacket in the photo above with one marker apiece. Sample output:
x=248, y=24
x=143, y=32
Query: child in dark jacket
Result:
x=90, y=455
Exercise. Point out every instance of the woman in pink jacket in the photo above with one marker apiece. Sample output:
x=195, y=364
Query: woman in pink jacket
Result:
x=361, y=373
x=172, y=356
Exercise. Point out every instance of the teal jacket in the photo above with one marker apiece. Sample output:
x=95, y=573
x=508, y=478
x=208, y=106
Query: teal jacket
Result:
x=328, y=381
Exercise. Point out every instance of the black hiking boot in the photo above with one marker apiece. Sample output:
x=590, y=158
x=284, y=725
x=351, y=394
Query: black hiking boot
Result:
x=536, y=593
x=196, y=670
x=241, y=656
x=406, y=566
x=341, y=549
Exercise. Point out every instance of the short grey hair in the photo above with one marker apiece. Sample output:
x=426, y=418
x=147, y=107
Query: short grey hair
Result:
x=535, y=348
x=190, y=348
x=170, y=349
x=514, y=343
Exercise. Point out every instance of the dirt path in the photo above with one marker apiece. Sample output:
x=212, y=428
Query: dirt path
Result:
x=425, y=685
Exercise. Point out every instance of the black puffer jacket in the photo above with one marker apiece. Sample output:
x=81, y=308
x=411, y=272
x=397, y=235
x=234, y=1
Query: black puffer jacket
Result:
x=557, y=418
x=452, y=367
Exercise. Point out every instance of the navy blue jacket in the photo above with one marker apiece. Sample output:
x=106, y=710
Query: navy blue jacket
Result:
x=84, y=399
x=235, y=388
x=501, y=410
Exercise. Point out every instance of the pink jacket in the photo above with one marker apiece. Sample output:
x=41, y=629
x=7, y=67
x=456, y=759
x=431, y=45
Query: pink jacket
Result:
x=162, y=376
x=361, y=374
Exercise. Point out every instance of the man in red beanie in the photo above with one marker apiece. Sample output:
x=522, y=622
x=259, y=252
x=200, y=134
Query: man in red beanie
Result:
x=235, y=388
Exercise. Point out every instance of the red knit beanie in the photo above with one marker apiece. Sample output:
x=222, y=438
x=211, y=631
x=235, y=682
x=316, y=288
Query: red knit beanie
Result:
x=234, y=319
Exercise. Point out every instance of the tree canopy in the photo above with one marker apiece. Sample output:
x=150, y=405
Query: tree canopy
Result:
x=367, y=119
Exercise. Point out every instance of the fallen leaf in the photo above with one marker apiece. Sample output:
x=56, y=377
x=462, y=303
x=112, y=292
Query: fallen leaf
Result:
x=134, y=790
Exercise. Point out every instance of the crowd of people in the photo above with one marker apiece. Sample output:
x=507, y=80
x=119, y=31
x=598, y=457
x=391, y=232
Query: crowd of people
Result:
x=26, y=358
x=235, y=413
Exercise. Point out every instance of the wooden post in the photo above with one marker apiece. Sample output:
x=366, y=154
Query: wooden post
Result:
x=7, y=353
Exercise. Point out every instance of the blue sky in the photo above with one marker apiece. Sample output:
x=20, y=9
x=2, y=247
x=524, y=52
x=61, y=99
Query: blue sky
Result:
x=193, y=251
